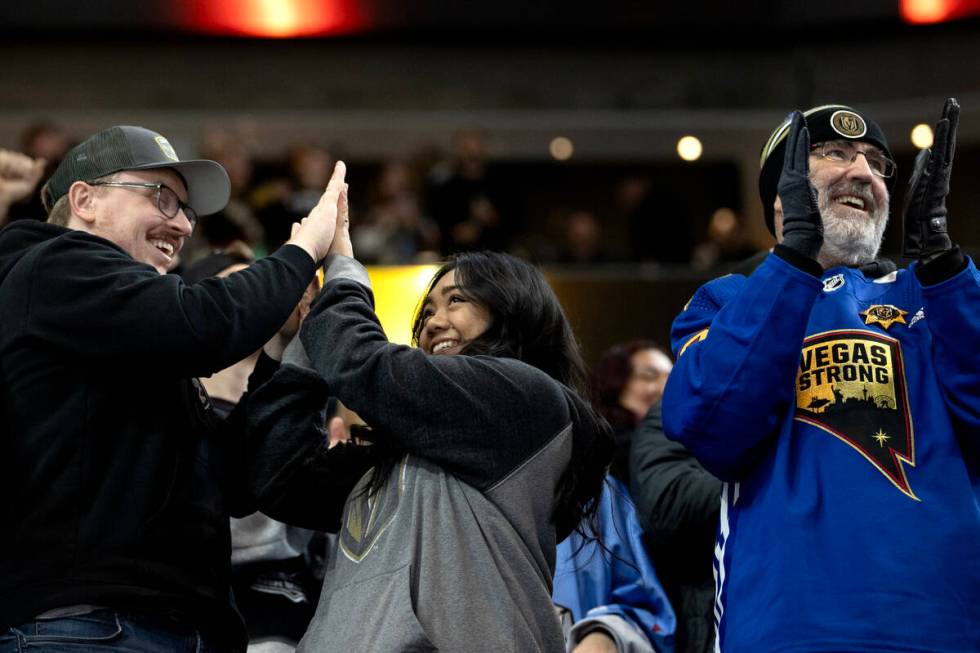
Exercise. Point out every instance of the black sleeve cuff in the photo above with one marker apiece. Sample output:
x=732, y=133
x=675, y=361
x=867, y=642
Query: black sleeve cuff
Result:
x=264, y=368
x=797, y=260
x=298, y=259
x=945, y=266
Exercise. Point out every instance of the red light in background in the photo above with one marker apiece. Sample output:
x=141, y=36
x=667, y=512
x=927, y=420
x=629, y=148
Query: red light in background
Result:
x=273, y=18
x=919, y=12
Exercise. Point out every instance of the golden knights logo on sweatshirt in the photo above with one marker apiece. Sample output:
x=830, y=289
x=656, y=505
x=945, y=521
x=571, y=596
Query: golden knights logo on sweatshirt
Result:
x=366, y=516
x=852, y=385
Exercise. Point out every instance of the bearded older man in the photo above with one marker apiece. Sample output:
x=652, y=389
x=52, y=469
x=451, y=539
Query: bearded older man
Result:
x=839, y=400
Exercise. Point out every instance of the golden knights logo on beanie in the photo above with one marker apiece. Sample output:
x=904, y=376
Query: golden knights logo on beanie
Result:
x=848, y=124
x=829, y=122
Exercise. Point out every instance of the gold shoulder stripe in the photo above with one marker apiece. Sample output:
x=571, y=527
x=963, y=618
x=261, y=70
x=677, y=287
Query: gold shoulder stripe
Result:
x=697, y=337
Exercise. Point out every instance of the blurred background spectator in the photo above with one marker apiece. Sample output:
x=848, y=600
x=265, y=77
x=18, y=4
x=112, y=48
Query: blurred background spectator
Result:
x=46, y=140
x=289, y=197
x=465, y=200
x=236, y=223
x=623, y=147
x=392, y=229
x=582, y=243
x=628, y=379
x=726, y=242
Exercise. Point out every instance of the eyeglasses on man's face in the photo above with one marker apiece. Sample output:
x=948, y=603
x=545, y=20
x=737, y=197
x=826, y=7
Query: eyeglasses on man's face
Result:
x=843, y=153
x=167, y=200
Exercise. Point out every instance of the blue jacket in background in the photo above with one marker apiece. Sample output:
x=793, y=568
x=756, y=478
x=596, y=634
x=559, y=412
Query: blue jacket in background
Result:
x=618, y=592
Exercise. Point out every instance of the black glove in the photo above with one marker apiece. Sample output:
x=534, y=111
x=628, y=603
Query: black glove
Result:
x=802, y=226
x=924, y=208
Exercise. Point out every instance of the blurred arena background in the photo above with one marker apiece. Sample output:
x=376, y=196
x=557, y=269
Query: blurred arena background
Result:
x=558, y=131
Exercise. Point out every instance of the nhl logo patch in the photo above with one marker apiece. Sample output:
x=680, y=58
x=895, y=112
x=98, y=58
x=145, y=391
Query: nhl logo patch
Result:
x=848, y=124
x=883, y=315
x=835, y=282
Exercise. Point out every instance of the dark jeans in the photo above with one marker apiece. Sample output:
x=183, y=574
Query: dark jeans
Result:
x=104, y=631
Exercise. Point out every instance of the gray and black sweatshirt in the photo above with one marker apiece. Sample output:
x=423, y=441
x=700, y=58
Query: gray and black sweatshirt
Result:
x=457, y=550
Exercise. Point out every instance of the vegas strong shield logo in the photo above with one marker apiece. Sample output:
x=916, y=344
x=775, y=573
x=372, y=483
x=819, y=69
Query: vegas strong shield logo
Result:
x=851, y=384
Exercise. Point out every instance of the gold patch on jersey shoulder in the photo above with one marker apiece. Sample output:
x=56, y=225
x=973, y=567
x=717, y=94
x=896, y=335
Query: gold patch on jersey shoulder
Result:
x=883, y=315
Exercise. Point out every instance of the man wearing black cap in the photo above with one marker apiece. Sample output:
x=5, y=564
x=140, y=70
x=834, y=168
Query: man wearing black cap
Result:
x=117, y=480
x=839, y=400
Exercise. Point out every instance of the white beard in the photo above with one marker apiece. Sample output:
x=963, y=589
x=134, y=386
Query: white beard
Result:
x=850, y=238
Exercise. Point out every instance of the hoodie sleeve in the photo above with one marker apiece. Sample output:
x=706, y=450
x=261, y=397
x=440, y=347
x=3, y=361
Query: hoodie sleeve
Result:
x=292, y=473
x=737, y=345
x=478, y=417
x=91, y=298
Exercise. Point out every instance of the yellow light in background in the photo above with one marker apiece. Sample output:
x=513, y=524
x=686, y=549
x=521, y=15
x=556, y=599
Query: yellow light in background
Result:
x=689, y=148
x=922, y=136
x=270, y=18
x=561, y=148
x=280, y=18
x=397, y=291
x=926, y=11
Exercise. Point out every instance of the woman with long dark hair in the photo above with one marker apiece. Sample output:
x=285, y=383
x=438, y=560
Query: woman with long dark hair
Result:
x=483, y=457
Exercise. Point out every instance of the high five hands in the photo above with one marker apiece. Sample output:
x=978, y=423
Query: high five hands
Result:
x=317, y=231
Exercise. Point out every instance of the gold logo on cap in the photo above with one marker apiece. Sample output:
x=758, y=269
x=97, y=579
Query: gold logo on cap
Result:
x=848, y=124
x=166, y=148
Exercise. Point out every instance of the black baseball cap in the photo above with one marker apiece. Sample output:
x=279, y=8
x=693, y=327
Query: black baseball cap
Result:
x=126, y=147
x=829, y=122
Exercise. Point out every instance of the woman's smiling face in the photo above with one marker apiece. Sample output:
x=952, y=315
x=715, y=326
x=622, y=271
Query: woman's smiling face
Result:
x=450, y=320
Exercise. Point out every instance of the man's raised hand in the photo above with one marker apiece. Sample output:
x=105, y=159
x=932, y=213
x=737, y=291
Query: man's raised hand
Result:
x=315, y=232
x=802, y=225
x=924, y=206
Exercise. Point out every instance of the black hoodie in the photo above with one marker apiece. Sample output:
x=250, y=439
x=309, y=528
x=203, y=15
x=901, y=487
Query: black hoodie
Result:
x=117, y=481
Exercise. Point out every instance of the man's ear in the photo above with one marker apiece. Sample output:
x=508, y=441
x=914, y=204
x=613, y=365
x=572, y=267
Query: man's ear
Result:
x=82, y=199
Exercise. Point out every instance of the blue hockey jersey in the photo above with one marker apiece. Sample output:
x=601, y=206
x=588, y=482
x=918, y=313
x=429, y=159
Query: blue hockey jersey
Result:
x=844, y=414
